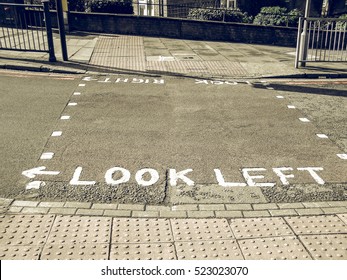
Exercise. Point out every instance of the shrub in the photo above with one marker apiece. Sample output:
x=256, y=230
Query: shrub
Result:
x=277, y=16
x=228, y=15
x=112, y=6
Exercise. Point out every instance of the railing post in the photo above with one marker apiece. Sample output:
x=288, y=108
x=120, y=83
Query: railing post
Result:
x=52, y=57
x=61, y=26
x=304, y=43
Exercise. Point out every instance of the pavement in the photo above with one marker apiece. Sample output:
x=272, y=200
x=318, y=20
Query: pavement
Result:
x=257, y=230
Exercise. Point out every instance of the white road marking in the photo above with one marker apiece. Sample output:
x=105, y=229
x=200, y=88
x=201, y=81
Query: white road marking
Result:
x=174, y=176
x=31, y=173
x=35, y=185
x=322, y=135
x=304, y=119
x=221, y=181
x=47, y=155
x=271, y=88
x=154, y=177
x=109, y=176
x=283, y=177
x=342, y=156
x=89, y=79
x=250, y=179
x=312, y=171
x=76, y=178
x=57, y=133
x=65, y=117
x=291, y=107
x=280, y=97
x=76, y=93
x=82, y=85
x=72, y=104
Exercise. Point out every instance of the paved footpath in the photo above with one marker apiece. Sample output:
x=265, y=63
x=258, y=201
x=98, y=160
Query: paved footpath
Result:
x=80, y=230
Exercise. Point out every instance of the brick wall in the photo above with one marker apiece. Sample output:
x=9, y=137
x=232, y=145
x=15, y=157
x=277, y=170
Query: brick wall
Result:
x=183, y=29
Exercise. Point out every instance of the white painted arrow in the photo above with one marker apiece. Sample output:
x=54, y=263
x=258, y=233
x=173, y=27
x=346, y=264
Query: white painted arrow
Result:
x=31, y=173
x=89, y=79
x=35, y=185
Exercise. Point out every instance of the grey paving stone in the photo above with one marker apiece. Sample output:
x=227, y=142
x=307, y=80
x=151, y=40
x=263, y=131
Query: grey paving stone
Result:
x=242, y=206
x=338, y=203
x=283, y=212
x=316, y=204
x=334, y=210
x=211, y=207
x=78, y=204
x=173, y=214
x=265, y=206
x=145, y=214
x=136, y=207
x=118, y=213
x=104, y=206
x=256, y=214
x=290, y=205
x=157, y=208
x=90, y=212
x=228, y=214
x=35, y=210
x=309, y=211
x=63, y=211
x=51, y=204
x=21, y=203
x=15, y=209
x=201, y=214
x=185, y=207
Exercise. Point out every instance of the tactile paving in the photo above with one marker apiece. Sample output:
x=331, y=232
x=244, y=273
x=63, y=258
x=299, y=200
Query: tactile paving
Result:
x=343, y=217
x=316, y=224
x=260, y=227
x=25, y=229
x=140, y=251
x=209, y=250
x=326, y=247
x=201, y=229
x=141, y=230
x=276, y=248
x=74, y=229
x=86, y=251
x=14, y=252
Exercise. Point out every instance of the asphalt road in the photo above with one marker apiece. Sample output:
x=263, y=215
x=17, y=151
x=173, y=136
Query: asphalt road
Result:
x=171, y=140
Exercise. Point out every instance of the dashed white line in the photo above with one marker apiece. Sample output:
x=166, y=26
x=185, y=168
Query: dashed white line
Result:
x=342, y=156
x=47, y=155
x=320, y=135
x=291, y=107
x=76, y=93
x=271, y=88
x=304, y=119
x=280, y=97
x=82, y=85
x=57, y=133
x=72, y=104
x=65, y=117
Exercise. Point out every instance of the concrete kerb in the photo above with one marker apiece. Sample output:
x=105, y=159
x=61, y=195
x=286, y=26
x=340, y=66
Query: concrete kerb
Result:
x=244, y=210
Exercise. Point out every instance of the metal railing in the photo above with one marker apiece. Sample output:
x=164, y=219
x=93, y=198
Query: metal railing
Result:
x=26, y=28
x=321, y=40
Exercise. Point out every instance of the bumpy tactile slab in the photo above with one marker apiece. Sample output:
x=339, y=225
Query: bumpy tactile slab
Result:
x=201, y=229
x=343, y=217
x=74, y=229
x=140, y=251
x=277, y=248
x=209, y=250
x=259, y=227
x=75, y=252
x=25, y=229
x=141, y=230
x=14, y=252
x=326, y=247
x=316, y=224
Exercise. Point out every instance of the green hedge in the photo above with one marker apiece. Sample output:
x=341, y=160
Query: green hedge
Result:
x=227, y=15
x=277, y=16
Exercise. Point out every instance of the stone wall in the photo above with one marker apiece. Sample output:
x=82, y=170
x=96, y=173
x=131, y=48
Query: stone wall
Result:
x=182, y=28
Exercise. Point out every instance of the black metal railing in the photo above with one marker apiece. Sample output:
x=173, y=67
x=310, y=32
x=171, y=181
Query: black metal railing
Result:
x=26, y=28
